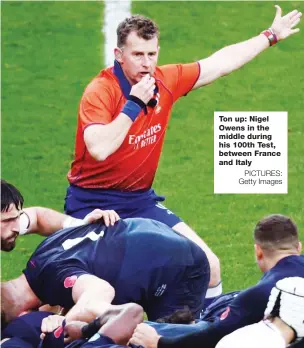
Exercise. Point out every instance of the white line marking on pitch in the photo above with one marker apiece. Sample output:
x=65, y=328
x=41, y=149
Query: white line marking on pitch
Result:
x=115, y=11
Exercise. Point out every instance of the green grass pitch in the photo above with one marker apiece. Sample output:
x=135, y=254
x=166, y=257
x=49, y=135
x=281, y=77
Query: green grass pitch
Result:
x=51, y=50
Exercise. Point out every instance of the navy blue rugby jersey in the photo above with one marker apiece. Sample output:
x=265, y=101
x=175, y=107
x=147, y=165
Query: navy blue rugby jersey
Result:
x=247, y=308
x=136, y=256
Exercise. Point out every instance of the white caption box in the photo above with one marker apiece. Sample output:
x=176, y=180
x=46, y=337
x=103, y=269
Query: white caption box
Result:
x=250, y=152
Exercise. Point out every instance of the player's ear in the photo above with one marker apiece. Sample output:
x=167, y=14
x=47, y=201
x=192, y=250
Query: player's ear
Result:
x=299, y=248
x=118, y=54
x=258, y=252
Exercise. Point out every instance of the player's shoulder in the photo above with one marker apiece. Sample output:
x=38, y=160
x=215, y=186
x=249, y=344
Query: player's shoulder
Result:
x=181, y=75
x=292, y=265
x=258, y=292
x=175, y=68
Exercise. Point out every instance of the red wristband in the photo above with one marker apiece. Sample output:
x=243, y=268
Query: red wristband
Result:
x=271, y=36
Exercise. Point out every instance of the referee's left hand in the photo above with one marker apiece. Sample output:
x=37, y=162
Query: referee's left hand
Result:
x=283, y=26
x=109, y=217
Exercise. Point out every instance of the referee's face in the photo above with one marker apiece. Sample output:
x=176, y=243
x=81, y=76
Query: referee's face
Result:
x=10, y=227
x=138, y=57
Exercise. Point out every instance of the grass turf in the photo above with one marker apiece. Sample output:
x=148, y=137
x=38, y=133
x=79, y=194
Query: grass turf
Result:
x=51, y=50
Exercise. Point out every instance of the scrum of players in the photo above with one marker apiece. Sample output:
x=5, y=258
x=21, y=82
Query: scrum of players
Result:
x=104, y=272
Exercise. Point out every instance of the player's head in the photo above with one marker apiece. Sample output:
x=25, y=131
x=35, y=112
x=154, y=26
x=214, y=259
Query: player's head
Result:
x=180, y=316
x=286, y=301
x=11, y=206
x=275, y=236
x=137, y=47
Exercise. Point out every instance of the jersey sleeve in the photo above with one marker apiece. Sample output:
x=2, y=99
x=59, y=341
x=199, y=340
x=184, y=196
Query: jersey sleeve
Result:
x=53, y=285
x=181, y=78
x=96, y=107
x=246, y=309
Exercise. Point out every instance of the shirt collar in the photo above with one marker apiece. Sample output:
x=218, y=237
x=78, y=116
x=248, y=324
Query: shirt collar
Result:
x=123, y=82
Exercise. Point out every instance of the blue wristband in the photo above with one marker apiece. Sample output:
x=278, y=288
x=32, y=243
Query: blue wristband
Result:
x=131, y=109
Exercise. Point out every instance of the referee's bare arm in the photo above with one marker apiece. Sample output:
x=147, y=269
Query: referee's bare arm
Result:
x=233, y=57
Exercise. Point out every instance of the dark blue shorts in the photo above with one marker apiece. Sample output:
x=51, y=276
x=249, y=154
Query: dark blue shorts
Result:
x=146, y=204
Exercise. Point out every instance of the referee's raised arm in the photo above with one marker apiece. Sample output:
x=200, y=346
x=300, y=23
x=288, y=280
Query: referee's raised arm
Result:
x=233, y=57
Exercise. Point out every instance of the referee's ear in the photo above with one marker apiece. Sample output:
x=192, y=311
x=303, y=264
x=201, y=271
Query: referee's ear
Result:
x=118, y=54
x=299, y=248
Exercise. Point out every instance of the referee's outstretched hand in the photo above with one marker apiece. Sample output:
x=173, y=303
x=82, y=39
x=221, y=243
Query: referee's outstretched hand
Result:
x=283, y=26
x=109, y=217
x=144, y=89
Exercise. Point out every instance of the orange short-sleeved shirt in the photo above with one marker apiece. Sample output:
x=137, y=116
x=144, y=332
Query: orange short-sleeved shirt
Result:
x=132, y=167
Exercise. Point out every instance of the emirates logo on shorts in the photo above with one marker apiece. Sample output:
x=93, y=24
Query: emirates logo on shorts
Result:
x=225, y=314
x=69, y=281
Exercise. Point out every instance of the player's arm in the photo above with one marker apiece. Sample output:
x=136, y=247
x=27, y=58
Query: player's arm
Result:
x=146, y=336
x=45, y=221
x=104, y=139
x=233, y=57
x=92, y=297
x=247, y=308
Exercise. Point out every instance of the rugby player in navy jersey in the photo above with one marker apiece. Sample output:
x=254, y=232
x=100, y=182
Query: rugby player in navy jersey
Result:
x=86, y=268
x=17, y=221
x=277, y=251
x=283, y=324
x=47, y=330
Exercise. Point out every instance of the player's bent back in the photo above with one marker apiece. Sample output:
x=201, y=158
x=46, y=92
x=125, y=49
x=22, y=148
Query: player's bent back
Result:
x=144, y=260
